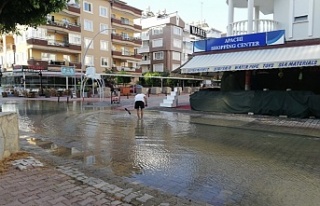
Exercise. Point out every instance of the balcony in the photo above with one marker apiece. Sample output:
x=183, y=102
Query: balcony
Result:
x=64, y=25
x=126, y=69
x=123, y=39
x=125, y=25
x=53, y=44
x=145, y=62
x=74, y=8
x=263, y=25
x=126, y=55
x=143, y=50
x=51, y=63
x=127, y=9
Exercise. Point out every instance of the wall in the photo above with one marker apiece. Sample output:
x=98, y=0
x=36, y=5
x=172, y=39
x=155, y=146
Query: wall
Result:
x=9, y=134
x=284, y=13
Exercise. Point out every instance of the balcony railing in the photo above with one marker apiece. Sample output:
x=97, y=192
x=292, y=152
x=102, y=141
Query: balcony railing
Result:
x=53, y=43
x=143, y=50
x=125, y=24
x=126, y=54
x=65, y=25
x=74, y=8
x=263, y=25
x=134, y=40
x=126, y=8
x=52, y=63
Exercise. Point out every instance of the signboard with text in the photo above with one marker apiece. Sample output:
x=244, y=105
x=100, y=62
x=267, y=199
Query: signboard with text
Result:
x=67, y=71
x=240, y=41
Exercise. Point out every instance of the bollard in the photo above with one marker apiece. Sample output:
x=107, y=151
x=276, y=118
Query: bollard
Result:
x=127, y=95
x=58, y=98
x=67, y=99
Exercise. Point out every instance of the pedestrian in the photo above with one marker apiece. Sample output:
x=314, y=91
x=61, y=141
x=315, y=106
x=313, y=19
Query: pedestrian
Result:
x=140, y=101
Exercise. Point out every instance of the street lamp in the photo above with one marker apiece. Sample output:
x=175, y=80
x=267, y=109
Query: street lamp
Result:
x=85, y=53
x=41, y=89
x=0, y=77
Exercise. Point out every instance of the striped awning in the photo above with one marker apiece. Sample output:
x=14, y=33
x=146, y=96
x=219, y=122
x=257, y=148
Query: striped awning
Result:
x=300, y=56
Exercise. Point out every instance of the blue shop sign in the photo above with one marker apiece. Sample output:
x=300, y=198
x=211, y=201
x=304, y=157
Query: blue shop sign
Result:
x=67, y=71
x=240, y=41
x=236, y=42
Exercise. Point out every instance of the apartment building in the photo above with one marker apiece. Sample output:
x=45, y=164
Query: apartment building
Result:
x=163, y=47
x=44, y=49
x=125, y=38
x=87, y=33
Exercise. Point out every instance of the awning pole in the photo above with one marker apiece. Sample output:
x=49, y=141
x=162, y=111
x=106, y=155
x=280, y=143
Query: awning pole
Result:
x=247, y=85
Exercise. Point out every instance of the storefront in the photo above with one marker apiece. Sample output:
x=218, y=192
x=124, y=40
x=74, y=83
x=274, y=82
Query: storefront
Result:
x=252, y=64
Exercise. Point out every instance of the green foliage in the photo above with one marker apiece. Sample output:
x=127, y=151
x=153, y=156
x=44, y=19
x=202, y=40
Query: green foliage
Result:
x=31, y=13
x=123, y=80
x=149, y=81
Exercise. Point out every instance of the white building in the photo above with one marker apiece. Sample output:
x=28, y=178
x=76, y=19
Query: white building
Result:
x=299, y=18
x=289, y=40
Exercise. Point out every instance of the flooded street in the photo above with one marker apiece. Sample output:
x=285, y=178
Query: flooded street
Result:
x=179, y=153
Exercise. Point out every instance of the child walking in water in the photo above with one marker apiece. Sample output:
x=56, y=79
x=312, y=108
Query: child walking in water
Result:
x=140, y=101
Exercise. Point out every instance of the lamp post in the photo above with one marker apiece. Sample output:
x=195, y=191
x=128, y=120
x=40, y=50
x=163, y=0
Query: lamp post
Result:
x=84, y=57
x=41, y=89
x=0, y=77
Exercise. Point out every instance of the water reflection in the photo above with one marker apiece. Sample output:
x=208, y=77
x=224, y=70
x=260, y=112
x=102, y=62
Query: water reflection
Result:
x=179, y=153
x=140, y=130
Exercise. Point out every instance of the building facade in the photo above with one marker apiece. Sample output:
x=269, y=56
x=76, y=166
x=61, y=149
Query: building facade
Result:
x=276, y=62
x=85, y=34
x=125, y=38
x=165, y=46
x=297, y=17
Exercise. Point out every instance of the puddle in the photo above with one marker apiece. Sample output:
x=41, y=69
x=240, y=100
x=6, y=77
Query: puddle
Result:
x=58, y=150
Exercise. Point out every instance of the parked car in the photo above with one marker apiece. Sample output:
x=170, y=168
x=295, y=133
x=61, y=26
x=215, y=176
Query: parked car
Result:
x=133, y=88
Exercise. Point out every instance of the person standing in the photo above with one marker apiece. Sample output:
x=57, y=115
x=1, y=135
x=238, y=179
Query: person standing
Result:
x=140, y=101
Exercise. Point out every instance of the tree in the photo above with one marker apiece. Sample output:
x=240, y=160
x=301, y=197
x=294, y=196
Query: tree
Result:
x=123, y=79
x=31, y=13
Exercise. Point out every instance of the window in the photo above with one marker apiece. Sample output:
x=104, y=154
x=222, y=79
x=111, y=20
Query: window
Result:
x=103, y=11
x=157, y=42
x=158, y=55
x=177, y=31
x=48, y=57
x=87, y=7
x=158, y=68
x=104, y=45
x=125, y=20
x=176, y=56
x=104, y=28
x=301, y=18
x=66, y=58
x=125, y=51
x=88, y=60
x=177, y=43
x=88, y=25
x=188, y=45
x=75, y=39
x=104, y=62
x=301, y=8
x=125, y=36
x=175, y=66
x=37, y=33
x=87, y=42
x=157, y=30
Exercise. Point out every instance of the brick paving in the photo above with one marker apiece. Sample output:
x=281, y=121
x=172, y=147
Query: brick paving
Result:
x=62, y=182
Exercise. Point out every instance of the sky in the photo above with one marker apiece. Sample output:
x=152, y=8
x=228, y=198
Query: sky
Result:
x=214, y=12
